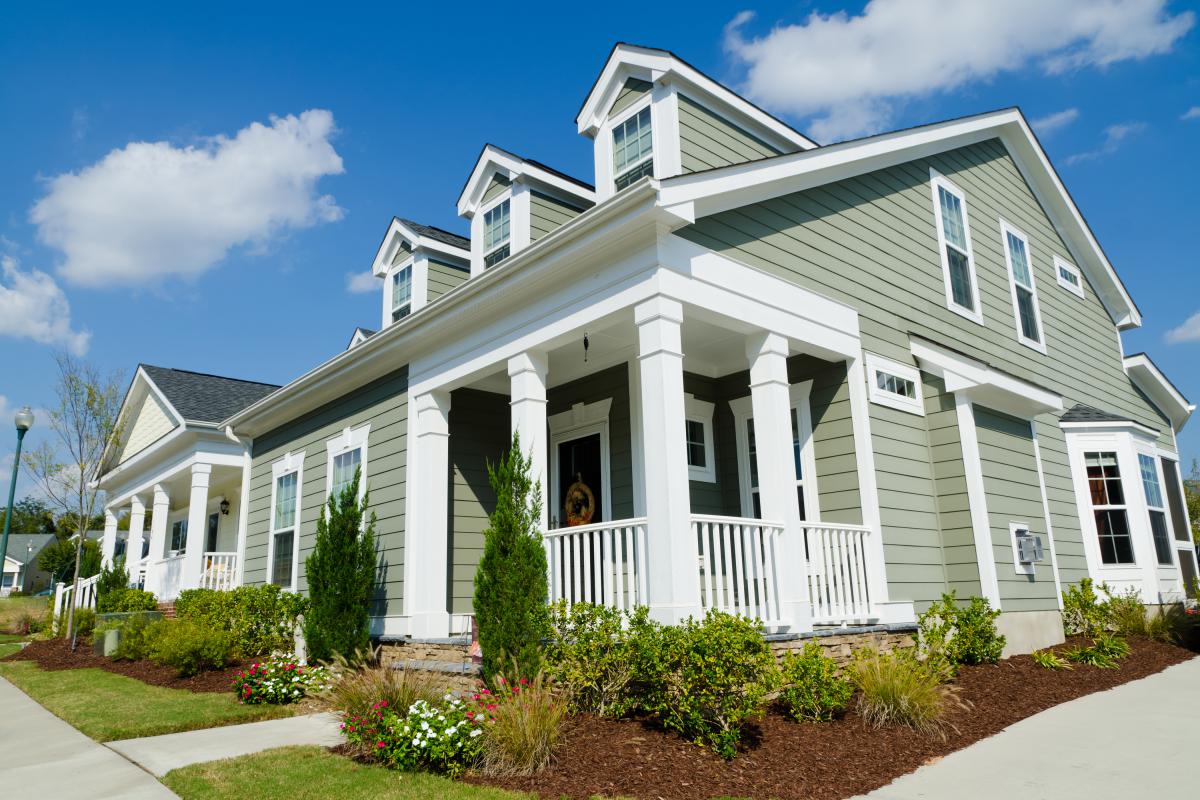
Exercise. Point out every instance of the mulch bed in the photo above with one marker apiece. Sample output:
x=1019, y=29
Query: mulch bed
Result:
x=815, y=760
x=55, y=654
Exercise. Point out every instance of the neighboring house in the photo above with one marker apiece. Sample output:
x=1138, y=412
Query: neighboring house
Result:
x=816, y=385
x=25, y=548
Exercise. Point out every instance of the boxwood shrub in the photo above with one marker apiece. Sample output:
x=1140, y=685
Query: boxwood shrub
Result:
x=259, y=619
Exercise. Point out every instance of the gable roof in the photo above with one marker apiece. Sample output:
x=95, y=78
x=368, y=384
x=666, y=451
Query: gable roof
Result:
x=204, y=398
x=18, y=545
x=1082, y=413
x=702, y=194
x=1146, y=375
x=443, y=242
x=494, y=159
x=437, y=234
x=359, y=336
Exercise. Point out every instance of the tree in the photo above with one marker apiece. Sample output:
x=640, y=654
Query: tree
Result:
x=66, y=465
x=30, y=515
x=341, y=577
x=58, y=558
x=510, y=583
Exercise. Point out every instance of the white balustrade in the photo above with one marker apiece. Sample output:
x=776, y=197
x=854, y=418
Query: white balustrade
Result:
x=602, y=563
x=220, y=571
x=837, y=572
x=739, y=569
x=86, y=598
x=170, y=572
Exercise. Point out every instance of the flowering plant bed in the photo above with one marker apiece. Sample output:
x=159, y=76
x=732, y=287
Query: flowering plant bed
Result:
x=279, y=680
x=441, y=737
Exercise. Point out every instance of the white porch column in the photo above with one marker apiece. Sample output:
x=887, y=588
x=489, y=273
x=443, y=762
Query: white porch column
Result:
x=193, y=558
x=244, y=513
x=108, y=544
x=527, y=376
x=868, y=493
x=427, y=539
x=158, y=540
x=770, y=397
x=673, y=574
x=137, y=531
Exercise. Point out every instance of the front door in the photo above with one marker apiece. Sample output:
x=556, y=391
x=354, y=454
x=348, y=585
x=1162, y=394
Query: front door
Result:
x=580, y=483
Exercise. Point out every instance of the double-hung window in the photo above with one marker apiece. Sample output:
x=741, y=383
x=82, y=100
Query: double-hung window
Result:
x=633, y=149
x=402, y=292
x=347, y=454
x=954, y=244
x=698, y=432
x=496, y=226
x=1024, y=290
x=1109, y=507
x=1157, y=509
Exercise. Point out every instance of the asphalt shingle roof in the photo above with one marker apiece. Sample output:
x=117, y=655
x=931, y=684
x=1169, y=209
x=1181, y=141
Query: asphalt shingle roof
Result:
x=437, y=234
x=1082, y=413
x=206, y=398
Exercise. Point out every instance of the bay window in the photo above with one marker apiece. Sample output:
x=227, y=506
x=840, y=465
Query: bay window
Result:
x=1109, y=507
x=1156, y=508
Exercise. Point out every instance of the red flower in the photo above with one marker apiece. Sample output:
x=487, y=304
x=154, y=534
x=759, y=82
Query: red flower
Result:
x=381, y=745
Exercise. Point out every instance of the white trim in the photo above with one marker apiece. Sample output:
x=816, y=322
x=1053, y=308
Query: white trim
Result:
x=288, y=464
x=1150, y=379
x=1074, y=288
x=397, y=231
x=647, y=101
x=494, y=159
x=1037, y=456
x=1018, y=567
x=981, y=526
x=349, y=439
x=938, y=181
x=743, y=411
x=701, y=411
x=578, y=422
x=637, y=438
x=877, y=364
x=1037, y=344
x=982, y=383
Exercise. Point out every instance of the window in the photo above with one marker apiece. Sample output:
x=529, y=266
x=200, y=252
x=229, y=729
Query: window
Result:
x=1157, y=509
x=1068, y=276
x=1108, y=505
x=179, y=535
x=495, y=234
x=802, y=453
x=1175, y=498
x=894, y=384
x=698, y=427
x=344, y=467
x=285, y=519
x=402, y=293
x=346, y=454
x=633, y=149
x=954, y=243
x=1024, y=291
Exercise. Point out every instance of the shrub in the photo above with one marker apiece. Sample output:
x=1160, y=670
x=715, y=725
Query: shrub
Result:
x=1083, y=611
x=355, y=690
x=899, y=689
x=114, y=580
x=341, y=577
x=260, y=619
x=1048, y=659
x=1105, y=651
x=279, y=680
x=812, y=689
x=189, y=647
x=440, y=737
x=591, y=656
x=705, y=680
x=136, y=636
x=952, y=634
x=522, y=728
x=130, y=600
x=85, y=624
x=1126, y=614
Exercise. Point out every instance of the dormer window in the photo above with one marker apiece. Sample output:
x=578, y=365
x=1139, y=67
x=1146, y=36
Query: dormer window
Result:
x=402, y=293
x=633, y=149
x=496, y=231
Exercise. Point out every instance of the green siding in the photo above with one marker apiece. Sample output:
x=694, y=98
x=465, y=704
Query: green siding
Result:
x=707, y=140
x=444, y=277
x=384, y=404
x=633, y=90
x=499, y=184
x=548, y=213
x=870, y=242
x=950, y=489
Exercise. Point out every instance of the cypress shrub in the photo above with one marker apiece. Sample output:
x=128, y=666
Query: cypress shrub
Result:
x=341, y=577
x=510, y=583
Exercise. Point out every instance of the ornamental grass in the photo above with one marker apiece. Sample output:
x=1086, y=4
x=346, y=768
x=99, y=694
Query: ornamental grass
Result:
x=524, y=722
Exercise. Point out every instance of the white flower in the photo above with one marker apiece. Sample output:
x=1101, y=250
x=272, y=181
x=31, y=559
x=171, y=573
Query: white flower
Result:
x=475, y=733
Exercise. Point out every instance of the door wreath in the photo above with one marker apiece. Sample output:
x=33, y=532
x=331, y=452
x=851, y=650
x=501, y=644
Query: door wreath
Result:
x=580, y=503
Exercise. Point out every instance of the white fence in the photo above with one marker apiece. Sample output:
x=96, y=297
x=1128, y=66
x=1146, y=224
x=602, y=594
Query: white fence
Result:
x=220, y=571
x=739, y=566
x=170, y=578
x=837, y=572
x=602, y=564
x=65, y=593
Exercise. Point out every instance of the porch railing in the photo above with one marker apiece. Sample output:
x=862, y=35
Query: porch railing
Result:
x=170, y=578
x=739, y=566
x=602, y=564
x=837, y=572
x=220, y=571
x=64, y=593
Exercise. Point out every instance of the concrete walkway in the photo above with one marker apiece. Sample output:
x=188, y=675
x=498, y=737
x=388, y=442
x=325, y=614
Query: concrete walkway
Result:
x=161, y=754
x=42, y=756
x=1137, y=740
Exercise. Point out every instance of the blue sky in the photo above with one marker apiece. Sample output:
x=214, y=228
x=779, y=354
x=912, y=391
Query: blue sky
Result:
x=164, y=197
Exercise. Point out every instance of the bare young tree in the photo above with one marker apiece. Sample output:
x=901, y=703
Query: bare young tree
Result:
x=66, y=466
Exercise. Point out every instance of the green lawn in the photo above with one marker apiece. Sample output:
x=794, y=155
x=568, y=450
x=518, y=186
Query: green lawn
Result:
x=107, y=707
x=13, y=608
x=312, y=773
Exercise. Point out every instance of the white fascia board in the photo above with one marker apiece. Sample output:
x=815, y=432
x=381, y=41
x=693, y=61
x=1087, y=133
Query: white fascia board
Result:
x=984, y=384
x=175, y=453
x=493, y=160
x=702, y=194
x=654, y=65
x=1150, y=379
x=140, y=377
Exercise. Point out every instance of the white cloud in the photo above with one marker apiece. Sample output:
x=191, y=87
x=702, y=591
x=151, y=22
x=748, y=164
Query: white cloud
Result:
x=1189, y=331
x=1114, y=136
x=1191, y=113
x=849, y=73
x=151, y=210
x=1051, y=123
x=361, y=282
x=33, y=306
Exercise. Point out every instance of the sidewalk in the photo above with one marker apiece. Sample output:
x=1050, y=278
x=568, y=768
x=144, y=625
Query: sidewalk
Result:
x=43, y=756
x=159, y=755
x=1137, y=740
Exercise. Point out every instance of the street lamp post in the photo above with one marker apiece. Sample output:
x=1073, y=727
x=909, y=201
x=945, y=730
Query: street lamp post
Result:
x=24, y=421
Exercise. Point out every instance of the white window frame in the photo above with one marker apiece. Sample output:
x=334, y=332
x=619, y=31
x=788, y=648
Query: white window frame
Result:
x=1005, y=231
x=504, y=197
x=178, y=520
x=409, y=264
x=619, y=119
x=1164, y=509
x=800, y=402
x=1061, y=264
x=580, y=421
x=701, y=412
x=349, y=439
x=936, y=180
x=290, y=463
x=908, y=372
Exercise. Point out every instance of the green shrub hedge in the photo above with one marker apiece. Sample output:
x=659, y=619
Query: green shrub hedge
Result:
x=952, y=634
x=812, y=690
x=259, y=619
x=188, y=646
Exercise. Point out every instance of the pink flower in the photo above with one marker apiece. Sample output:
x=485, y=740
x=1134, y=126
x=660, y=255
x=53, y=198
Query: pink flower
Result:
x=381, y=745
x=524, y=681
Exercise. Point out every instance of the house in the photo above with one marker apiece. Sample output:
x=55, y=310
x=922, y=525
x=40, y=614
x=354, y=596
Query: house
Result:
x=815, y=385
x=24, y=549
